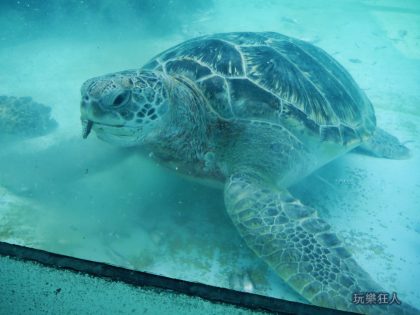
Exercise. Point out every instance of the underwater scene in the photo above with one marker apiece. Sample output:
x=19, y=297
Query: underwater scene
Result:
x=269, y=147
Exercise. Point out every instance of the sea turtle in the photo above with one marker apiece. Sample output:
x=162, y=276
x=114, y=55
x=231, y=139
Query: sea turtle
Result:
x=23, y=117
x=256, y=112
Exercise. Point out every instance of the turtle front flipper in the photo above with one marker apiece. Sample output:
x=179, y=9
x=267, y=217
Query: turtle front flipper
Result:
x=384, y=145
x=299, y=246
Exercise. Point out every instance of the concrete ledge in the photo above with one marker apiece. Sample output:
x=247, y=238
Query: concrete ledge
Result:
x=216, y=295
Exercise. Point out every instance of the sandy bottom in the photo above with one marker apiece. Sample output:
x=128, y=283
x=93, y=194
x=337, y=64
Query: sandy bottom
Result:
x=90, y=200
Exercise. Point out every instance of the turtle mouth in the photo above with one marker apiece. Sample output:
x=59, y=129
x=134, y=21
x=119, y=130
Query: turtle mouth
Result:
x=119, y=135
x=87, y=125
x=108, y=130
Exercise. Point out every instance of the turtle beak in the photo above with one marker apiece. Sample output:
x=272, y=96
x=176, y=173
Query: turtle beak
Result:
x=86, y=127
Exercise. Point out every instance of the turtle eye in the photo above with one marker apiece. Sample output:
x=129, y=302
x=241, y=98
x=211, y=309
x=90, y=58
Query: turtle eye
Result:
x=121, y=99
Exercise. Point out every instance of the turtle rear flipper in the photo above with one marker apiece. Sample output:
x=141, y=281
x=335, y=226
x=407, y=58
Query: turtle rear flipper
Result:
x=299, y=246
x=384, y=145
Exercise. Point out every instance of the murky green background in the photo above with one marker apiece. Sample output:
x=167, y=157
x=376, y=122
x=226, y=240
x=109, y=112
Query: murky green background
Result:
x=91, y=200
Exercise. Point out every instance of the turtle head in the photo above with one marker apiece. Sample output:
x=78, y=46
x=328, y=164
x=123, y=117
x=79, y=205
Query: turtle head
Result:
x=125, y=108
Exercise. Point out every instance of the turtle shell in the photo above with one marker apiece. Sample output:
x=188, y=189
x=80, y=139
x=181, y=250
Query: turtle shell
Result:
x=274, y=78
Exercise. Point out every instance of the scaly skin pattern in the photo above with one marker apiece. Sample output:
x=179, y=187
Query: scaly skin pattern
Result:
x=299, y=245
x=256, y=112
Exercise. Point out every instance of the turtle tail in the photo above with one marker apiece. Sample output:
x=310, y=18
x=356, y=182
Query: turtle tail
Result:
x=384, y=145
x=300, y=246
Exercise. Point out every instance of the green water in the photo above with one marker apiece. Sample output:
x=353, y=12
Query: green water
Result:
x=88, y=199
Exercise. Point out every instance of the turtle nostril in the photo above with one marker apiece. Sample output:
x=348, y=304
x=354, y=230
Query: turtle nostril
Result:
x=85, y=101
